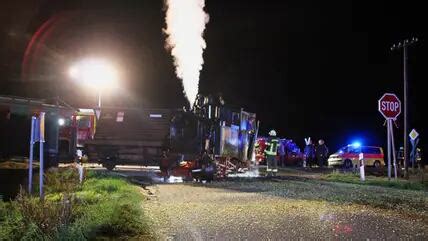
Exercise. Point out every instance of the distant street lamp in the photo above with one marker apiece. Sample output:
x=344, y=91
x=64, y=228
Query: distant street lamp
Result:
x=97, y=74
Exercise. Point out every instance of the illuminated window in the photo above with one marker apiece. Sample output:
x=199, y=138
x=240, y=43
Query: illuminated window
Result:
x=119, y=117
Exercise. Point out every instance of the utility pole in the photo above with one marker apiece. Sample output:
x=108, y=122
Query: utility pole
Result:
x=403, y=45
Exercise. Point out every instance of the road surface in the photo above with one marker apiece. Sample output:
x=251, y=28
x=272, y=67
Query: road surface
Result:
x=281, y=210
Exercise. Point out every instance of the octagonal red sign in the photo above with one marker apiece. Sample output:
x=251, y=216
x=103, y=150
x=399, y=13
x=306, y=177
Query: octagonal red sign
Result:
x=389, y=106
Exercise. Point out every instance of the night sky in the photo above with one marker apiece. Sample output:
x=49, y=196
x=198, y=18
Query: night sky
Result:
x=307, y=68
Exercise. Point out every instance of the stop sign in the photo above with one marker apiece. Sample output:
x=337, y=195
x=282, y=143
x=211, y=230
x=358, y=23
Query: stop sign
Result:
x=390, y=106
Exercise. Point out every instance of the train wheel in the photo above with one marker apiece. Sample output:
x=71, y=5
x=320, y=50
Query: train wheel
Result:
x=109, y=163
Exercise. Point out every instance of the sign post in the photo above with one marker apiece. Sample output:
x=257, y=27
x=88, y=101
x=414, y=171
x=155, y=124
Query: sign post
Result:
x=30, y=160
x=391, y=132
x=97, y=112
x=37, y=135
x=41, y=141
x=389, y=149
x=362, y=172
x=414, y=140
x=390, y=107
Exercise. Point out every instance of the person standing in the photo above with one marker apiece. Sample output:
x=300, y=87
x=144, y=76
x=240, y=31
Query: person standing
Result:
x=309, y=153
x=282, y=152
x=321, y=153
x=165, y=165
x=271, y=153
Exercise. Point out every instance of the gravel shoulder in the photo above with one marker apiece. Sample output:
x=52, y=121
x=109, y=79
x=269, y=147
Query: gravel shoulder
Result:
x=260, y=209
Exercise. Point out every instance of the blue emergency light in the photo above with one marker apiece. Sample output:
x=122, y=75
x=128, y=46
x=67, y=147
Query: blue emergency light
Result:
x=356, y=144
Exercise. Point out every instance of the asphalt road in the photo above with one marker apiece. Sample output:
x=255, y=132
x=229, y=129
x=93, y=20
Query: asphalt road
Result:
x=275, y=210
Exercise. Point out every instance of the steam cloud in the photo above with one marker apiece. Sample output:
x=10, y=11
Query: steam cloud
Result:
x=185, y=25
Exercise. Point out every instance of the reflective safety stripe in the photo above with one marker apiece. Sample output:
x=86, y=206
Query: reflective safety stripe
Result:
x=275, y=170
x=268, y=169
x=272, y=147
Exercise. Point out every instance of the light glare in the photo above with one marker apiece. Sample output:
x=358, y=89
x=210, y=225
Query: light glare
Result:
x=356, y=144
x=61, y=122
x=96, y=73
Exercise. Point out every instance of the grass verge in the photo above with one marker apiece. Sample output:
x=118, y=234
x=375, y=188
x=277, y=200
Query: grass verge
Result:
x=104, y=205
x=376, y=181
x=407, y=202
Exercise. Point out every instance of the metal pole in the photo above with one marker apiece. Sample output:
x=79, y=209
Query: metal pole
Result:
x=99, y=98
x=42, y=140
x=362, y=171
x=41, y=171
x=253, y=146
x=414, y=157
x=411, y=159
x=389, y=150
x=406, y=168
x=30, y=161
x=393, y=149
x=403, y=45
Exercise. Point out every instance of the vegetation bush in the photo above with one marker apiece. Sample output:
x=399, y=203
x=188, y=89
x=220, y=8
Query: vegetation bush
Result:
x=62, y=180
x=103, y=205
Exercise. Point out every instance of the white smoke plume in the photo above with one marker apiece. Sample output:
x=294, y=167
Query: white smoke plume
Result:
x=185, y=25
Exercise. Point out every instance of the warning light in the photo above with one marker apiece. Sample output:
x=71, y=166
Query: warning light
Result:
x=61, y=122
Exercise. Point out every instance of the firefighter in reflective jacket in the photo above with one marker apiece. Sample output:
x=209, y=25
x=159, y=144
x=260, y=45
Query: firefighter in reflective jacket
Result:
x=271, y=150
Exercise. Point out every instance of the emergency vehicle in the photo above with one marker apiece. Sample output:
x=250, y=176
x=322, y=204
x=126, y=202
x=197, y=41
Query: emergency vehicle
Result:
x=348, y=156
x=15, y=118
x=74, y=131
x=292, y=154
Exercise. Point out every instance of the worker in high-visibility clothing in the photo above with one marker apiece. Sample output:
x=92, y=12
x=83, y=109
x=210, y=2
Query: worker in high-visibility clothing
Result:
x=271, y=150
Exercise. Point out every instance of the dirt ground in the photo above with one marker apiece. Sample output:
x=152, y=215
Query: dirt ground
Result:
x=260, y=209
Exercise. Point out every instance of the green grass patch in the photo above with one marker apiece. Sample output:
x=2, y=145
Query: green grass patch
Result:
x=104, y=205
x=376, y=181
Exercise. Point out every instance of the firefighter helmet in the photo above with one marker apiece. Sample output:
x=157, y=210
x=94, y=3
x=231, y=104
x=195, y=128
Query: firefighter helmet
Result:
x=272, y=133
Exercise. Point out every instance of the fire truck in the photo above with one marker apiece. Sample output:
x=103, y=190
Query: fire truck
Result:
x=74, y=131
x=291, y=153
x=15, y=118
